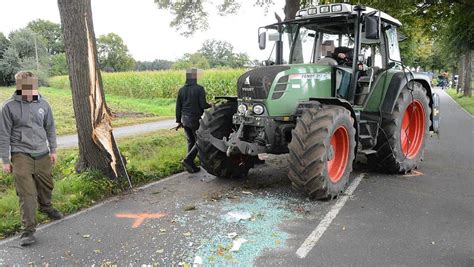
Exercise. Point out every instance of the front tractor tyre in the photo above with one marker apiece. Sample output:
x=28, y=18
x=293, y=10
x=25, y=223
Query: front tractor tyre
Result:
x=401, y=142
x=322, y=150
x=217, y=121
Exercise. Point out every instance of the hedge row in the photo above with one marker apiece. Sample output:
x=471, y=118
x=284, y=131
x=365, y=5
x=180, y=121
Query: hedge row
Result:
x=161, y=84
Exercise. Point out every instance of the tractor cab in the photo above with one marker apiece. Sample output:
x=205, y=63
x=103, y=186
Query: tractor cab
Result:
x=354, y=41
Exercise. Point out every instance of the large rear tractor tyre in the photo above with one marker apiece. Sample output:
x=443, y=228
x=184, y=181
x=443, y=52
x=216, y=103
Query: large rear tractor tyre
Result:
x=322, y=150
x=218, y=121
x=402, y=139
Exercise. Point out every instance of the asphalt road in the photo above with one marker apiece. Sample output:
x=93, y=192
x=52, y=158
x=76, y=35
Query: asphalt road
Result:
x=425, y=218
x=69, y=141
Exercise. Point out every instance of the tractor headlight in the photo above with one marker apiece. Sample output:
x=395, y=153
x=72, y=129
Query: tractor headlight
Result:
x=336, y=8
x=324, y=9
x=312, y=11
x=258, y=109
x=242, y=109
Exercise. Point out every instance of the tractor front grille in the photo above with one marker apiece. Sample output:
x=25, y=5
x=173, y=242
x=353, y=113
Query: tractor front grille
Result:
x=256, y=83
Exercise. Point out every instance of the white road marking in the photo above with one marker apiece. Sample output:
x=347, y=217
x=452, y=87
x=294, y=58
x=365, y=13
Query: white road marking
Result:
x=313, y=238
x=66, y=218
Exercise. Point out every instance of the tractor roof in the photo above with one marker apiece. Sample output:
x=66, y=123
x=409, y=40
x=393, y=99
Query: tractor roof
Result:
x=334, y=12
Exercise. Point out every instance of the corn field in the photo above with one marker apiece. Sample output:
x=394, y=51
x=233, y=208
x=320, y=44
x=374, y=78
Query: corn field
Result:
x=161, y=84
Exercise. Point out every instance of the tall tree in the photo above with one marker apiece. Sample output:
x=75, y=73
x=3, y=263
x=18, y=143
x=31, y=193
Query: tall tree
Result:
x=221, y=54
x=4, y=43
x=113, y=53
x=9, y=66
x=97, y=146
x=51, y=32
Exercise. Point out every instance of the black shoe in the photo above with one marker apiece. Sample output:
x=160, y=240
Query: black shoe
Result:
x=53, y=214
x=196, y=169
x=191, y=168
x=27, y=239
x=259, y=161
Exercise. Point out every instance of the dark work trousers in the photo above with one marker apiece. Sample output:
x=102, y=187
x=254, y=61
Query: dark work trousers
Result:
x=192, y=149
x=34, y=185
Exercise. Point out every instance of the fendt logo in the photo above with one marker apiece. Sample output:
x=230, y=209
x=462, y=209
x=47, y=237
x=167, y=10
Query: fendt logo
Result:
x=246, y=87
x=247, y=80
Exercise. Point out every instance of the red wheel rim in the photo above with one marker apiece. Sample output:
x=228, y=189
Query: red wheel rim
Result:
x=413, y=129
x=340, y=154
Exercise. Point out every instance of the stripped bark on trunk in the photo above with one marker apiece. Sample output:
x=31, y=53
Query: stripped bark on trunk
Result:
x=97, y=147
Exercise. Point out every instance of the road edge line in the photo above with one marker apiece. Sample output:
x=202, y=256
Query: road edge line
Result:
x=112, y=199
x=314, y=237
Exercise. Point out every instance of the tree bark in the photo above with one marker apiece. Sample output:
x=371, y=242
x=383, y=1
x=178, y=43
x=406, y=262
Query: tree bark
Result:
x=97, y=147
x=461, y=74
x=468, y=74
x=291, y=7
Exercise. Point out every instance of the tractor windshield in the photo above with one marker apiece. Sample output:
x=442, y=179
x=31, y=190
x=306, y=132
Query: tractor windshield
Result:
x=305, y=43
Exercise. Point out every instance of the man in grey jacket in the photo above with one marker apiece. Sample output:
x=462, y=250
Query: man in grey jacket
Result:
x=28, y=149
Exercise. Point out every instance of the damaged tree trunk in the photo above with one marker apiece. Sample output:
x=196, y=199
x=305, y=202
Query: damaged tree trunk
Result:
x=97, y=147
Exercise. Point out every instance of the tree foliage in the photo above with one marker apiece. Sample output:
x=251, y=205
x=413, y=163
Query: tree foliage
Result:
x=221, y=54
x=191, y=16
x=51, y=33
x=9, y=66
x=194, y=60
x=58, y=65
x=157, y=64
x=113, y=53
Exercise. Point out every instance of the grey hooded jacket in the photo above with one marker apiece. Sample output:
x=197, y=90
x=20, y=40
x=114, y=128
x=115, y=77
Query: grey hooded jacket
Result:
x=26, y=127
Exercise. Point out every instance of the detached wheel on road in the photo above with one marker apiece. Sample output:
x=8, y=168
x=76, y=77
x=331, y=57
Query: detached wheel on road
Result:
x=217, y=122
x=322, y=151
x=401, y=142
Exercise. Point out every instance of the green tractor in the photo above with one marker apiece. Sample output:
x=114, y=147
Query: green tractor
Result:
x=324, y=107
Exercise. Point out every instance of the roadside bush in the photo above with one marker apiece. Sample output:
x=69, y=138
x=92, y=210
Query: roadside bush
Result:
x=161, y=84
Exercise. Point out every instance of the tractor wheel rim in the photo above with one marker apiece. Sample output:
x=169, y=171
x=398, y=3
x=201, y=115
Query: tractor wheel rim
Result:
x=340, y=147
x=413, y=129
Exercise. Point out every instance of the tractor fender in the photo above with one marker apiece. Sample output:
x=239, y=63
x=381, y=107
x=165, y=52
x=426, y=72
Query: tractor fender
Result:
x=344, y=103
x=398, y=82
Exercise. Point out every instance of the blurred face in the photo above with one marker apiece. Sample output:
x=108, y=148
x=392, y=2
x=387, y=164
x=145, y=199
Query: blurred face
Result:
x=194, y=74
x=27, y=88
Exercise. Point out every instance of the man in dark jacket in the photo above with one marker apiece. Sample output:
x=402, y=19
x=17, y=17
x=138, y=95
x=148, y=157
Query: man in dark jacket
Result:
x=190, y=105
x=28, y=149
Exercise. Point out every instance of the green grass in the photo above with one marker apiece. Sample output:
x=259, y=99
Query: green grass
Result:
x=466, y=102
x=150, y=157
x=128, y=110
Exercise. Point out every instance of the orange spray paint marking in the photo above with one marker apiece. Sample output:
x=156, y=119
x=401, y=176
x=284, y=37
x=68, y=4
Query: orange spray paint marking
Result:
x=413, y=174
x=140, y=218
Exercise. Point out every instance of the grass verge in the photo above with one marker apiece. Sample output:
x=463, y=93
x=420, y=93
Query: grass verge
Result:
x=150, y=157
x=127, y=110
x=466, y=102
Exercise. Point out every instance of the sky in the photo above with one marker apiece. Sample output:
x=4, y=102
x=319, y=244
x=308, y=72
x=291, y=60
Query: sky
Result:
x=145, y=29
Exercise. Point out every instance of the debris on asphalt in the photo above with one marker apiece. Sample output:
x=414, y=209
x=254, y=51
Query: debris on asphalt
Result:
x=236, y=216
x=231, y=235
x=86, y=236
x=247, y=193
x=255, y=218
x=197, y=261
x=187, y=234
x=190, y=207
x=237, y=243
x=160, y=251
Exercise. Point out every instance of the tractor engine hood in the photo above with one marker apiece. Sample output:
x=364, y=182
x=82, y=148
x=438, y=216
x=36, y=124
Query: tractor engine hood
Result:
x=256, y=83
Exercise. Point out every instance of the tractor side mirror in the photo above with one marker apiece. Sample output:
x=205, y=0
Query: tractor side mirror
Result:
x=372, y=27
x=262, y=40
